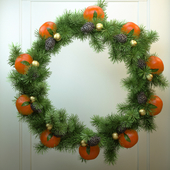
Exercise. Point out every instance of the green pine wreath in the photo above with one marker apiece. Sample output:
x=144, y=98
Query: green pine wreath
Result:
x=64, y=132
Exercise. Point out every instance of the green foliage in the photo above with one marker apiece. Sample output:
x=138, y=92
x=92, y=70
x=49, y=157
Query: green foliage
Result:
x=58, y=118
x=14, y=53
x=40, y=148
x=86, y=134
x=71, y=140
x=69, y=127
x=102, y=4
x=82, y=160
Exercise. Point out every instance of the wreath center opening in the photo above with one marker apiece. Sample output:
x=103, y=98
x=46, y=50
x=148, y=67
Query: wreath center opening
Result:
x=85, y=82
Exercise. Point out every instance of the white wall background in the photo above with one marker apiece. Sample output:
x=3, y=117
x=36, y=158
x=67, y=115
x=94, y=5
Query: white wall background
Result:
x=82, y=82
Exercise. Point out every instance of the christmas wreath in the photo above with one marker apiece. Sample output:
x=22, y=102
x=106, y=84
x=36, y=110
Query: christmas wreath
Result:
x=56, y=129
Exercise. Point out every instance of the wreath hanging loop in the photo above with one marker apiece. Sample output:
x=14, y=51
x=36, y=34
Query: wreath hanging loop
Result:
x=126, y=42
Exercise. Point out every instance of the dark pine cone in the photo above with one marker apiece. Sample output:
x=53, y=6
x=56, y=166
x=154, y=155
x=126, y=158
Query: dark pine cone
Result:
x=35, y=76
x=49, y=43
x=33, y=107
x=141, y=63
x=57, y=134
x=142, y=99
x=93, y=141
x=121, y=38
x=87, y=27
x=121, y=129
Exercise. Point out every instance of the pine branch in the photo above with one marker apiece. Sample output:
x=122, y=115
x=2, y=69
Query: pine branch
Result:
x=15, y=51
